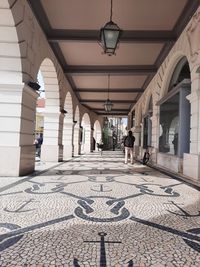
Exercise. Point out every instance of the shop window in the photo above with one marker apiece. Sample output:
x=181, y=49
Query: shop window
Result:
x=169, y=124
x=175, y=113
x=175, y=120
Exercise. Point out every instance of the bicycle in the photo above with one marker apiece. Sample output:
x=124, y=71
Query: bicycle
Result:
x=146, y=156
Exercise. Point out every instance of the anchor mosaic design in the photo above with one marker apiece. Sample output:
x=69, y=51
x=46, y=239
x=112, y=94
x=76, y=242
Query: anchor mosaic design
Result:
x=98, y=213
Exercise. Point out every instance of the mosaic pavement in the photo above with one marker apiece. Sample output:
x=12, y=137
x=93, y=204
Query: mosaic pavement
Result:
x=97, y=211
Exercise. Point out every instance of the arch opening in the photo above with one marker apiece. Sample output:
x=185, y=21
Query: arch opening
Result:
x=97, y=135
x=174, y=136
x=85, y=134
x=48, y=130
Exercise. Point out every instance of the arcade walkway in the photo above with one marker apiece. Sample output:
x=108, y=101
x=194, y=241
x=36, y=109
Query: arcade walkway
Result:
x=97, y=211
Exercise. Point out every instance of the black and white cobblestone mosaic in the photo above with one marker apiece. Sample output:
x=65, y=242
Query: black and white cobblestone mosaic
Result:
x=97, y=211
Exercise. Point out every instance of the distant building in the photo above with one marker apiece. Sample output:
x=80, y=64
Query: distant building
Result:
x=39, y=123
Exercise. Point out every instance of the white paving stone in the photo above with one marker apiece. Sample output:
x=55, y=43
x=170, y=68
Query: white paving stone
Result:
x=58, y=217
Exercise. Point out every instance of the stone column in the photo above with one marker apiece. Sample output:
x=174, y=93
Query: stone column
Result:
x=87, y=146
x=76, y=140
x=52, y=148
x=191, y=161
x=86, y=143
x=67, y=139
x=155, y=127
x=74, y=123
x=184, y=121
x=91, y=140
x=155, y=135
x=141, y=140
x=137, y=134
x=129, y=121
x=17, y=120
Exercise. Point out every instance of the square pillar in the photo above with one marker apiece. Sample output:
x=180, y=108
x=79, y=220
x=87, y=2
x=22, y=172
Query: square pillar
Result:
x=52, y=148
x=67, y=140
x=17, y=120
x=76, y=140
x=137, y=134
x=191, y=166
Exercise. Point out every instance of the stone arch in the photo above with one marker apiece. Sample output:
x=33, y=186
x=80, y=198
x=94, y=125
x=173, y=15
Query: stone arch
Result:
x=97, y=134
x=68, y=107
x=170, y=70
x=77, y=115
x=51, y=86
x=76, y=140
x=53, y=121
x=85, y=134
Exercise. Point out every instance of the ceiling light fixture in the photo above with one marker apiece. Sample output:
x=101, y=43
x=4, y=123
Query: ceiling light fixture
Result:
x=109, y=35
x=108, y=104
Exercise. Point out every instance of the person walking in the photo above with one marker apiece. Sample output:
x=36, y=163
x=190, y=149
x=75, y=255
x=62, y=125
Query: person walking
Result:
x=128, y=144
x=100, y=146
x=38, y=144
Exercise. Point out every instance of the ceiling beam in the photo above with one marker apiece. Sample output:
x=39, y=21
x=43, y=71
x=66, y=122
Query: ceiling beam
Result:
x=111, y=90
x=114, y=109
x=83, y=101
x=101, y=111
x=116, y=114
x=56, y=35
x=121, y=69
x=188, y=11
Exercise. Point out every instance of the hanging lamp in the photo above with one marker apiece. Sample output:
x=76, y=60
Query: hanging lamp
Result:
x=109, y=35
x=108, y=104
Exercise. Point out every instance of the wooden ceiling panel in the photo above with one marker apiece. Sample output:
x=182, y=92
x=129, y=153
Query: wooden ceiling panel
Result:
x=101, y=105
x=120, y=81
x=150, y=29
x=129, y=14
x=113, y=96
x=127, y=54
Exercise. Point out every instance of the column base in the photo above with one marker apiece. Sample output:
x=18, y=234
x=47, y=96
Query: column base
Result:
x=67, y=152
x=136, y=150
x=170, y=162
x=52, y=153
x=191, y=166
x=17, y=161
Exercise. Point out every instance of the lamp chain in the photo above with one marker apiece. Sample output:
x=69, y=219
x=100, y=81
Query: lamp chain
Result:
x=111, y=7
x=108, y=84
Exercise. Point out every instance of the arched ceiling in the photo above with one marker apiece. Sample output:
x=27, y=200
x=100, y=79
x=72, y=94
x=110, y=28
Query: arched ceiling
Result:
x=150, y=28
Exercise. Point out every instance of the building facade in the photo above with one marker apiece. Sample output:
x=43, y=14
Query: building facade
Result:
x=167, y=116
